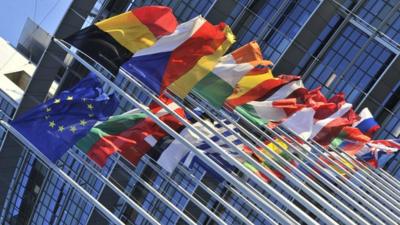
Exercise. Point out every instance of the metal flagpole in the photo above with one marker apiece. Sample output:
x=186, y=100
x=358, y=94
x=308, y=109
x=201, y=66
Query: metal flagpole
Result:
x=380, y=186
x=299, y=173
x=371, y=174
x=132, y=203
x=195, y=200
x=265, y=203
x=360, y=195
x=389, y=177
x=223, y=202
x=62, y=174
x=183, y=191
x=293, y=179
x=351, y=185
x=334, y=178
x=258, y=180
x=388, y=201
x=348, y=189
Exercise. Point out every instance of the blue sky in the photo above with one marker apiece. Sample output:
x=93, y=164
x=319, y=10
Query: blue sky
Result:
x=13, y=14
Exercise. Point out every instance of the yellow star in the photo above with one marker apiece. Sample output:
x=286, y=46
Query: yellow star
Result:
x=57, y=101
x=73, y=129
x=90, y=106
x=48, y=109
x=61, y=128
x=47, y=117
x=52, y=124
x=70, y=98
x=83, y=122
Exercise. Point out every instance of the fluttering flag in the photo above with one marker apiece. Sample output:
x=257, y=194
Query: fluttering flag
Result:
x=220, y=82
x=325, y=130
x=267, y=166
x=132, y=134
x=378, y=152
x=350, y=140
x=281, y=104
x=263, y=87
x=113, y=41
x=178, y=61
x=367, y=124
x=192, y=159
x=57, y=124
x=113, y=135
x=301, y=123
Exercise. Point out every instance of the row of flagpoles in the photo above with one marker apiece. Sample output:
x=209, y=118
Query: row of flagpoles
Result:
x=349, y=211
x=331, y=185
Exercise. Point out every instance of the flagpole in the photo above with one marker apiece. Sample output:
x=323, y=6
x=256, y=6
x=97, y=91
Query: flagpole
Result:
x=265, y=203
x=389, y=177
x=261, y=132
x=299, y=173
x=350, y=184
x=190, y=196
x=365, y=183
x=380, y=184
x=289, y=176
x=222, y=201
x=372, y=175
x=183, y=191
x=132, y=203
x=62, y=174
x=258, y=180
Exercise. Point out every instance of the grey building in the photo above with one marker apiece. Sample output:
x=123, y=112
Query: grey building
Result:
x=344, y=46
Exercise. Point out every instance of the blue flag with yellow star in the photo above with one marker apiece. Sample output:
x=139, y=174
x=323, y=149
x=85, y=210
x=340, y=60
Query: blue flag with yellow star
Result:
x=54, y=126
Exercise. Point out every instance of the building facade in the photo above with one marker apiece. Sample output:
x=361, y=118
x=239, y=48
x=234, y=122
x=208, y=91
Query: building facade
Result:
x=342, y=45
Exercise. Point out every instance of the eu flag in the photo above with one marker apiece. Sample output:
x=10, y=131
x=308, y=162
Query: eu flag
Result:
x=54, y=126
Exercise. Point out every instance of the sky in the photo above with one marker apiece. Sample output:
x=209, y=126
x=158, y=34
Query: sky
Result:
x=13, y=14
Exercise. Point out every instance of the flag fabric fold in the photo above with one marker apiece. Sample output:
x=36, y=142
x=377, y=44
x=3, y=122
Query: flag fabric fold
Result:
x=113, y=41
x=367, y=124
x=132, y=134
x=57, y=124
x=262, y=86
x=220, y=82
x=181, y=59
x=377, y=153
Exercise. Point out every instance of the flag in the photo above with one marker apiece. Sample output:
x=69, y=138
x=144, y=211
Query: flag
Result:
x=219, y=83
x=350, y=140
x=169, y=151
x=367, y=124
x=132, y=134
x=325, y=130
x=113, y=41
x=378, y=152
x=281, y=104
x=261, y=113
x=263, y=87
x=273, y=147
x=180, y=60
x=301, y=122
x=106, y=138
x=192, y=159
x=55, y=125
